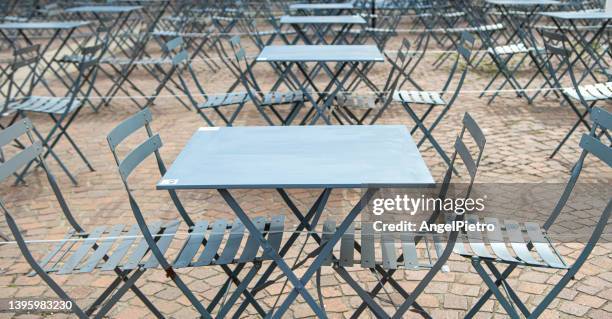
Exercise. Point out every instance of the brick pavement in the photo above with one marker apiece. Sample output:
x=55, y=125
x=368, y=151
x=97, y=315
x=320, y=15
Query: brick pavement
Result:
x=520, y=138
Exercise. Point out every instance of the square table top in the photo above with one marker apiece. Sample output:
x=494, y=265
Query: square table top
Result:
x=334, y=156
x=523, y=2
x=322, y=6
x=321, y=53
x=43, y=25
x=342, y=19
x=579, y=15
x=103, y=9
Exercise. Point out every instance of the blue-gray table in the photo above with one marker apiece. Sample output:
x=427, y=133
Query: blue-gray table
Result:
x=580, y=41
x=356, y=58
x=322, y=26
x=16, y=34
x=298, y=157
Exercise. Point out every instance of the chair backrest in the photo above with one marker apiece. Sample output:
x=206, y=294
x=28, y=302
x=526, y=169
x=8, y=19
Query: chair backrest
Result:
x=557, y=60
x=21, y=75
x=590, y=144
x=126, y=165
x=32, y=151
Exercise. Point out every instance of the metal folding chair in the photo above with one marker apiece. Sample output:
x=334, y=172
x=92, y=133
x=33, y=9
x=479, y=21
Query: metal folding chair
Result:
x=263, y=101
x=409, y=256
x=225, y=106
x=61, y=110
x=437, y=99
x=210, y=234
x=509, y=233
x=67, y=257
x=355, y=108
x=557, y=63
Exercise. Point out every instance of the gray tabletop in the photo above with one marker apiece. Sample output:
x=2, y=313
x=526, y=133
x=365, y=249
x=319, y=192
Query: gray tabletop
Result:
x=321, y=53
x=523, y=2
x=43, y=25
x=322, y=20
x=580, y=15
x=103, y=9
x=334, y=156
x=322, y=6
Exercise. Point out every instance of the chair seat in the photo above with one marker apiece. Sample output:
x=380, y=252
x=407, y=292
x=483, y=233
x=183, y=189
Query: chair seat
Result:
x=125, y=247
x=224, y=100
x=509, y=237
x=391, y=246
x=591, y=92
x=357, y=101
x=486, y=27
x=509, y=49
x=419, y=97
x=49, y=105
x=274, y=98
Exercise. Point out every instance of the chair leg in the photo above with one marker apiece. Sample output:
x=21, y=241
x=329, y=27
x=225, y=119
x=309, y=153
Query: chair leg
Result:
x=498, y=294
x=485, y=297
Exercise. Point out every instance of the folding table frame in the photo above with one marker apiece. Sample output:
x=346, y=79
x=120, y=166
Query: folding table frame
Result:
x=351, y=61
x=58, y=41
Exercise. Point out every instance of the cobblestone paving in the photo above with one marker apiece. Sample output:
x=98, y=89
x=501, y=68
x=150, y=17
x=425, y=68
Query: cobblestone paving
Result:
x=520, y=138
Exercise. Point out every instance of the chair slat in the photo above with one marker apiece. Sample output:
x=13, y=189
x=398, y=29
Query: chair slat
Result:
x=409, y=250
x=597, y=148
x=233, y=243
x=252, y=245
x=329, y=228
x=466, y=157
x=20, y=159
x=213, y=244
x=164, y=242
x=127, y=127
x=78, y=255
x=389, y=257
x=122, y=248
x=103, y=248
x=136, y=156
x=14, y=131
x=542, y=246
x=53, y=252
x=496, y=240
x=275, y=237
x=192, y=245
x=518, y=243
x=142, y=248
x=476, y=240
x=347, y=247
x=368, y=257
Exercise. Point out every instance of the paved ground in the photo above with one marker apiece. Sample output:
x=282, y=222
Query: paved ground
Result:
x=520, y=139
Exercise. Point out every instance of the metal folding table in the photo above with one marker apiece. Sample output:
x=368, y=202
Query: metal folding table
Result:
x=351, y=60
x=580, y=41
x=298, y=157
x=58, y=41
x=323, y=26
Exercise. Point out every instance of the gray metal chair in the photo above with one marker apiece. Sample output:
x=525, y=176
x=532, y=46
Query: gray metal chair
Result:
x=209, y=234
x=442, y=99
x=407, y=257
x=80, y=251
x=62, y=110
x=587, y=95
x=491, y=248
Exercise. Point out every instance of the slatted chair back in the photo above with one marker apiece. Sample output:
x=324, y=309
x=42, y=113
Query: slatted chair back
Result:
x=32, y=151
x=590, y=145
x=21, y=76
x=138, y=122
x=557, y=61
x=454, y=84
